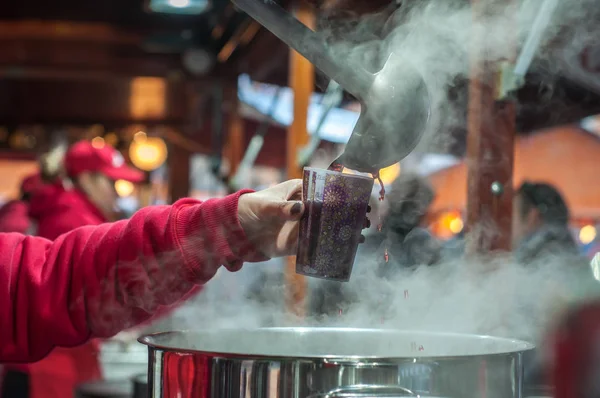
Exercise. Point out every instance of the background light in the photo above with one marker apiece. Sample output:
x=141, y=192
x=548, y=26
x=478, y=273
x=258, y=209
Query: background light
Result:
x=456, y=225
x=98, y=142
x=389, y=174
x=448, y=225
x=179, y=3
x=587, y=234
x=124, y=188
x=190, y=7
x=111, y=139
x=140, y=136
x=147, y=153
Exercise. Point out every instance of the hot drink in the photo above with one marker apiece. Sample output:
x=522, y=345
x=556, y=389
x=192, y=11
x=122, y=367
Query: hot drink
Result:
x=330, y=230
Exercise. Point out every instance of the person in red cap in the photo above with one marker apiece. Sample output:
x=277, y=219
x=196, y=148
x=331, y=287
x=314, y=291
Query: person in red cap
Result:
x=86, y=197
x=98, y=280
x=14, y=215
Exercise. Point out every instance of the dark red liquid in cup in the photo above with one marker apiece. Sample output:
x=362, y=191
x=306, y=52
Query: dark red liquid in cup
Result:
x=335, y=166
x=330, y=230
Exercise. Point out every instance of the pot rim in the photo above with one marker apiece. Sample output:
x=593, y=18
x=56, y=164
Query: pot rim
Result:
x=328, y=358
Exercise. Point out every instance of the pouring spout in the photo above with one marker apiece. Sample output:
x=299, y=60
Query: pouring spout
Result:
x=309, y=44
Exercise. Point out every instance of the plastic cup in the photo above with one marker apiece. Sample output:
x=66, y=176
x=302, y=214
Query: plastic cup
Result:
x=335, y=210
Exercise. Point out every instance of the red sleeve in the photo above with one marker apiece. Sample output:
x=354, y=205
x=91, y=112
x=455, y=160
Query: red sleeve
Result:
x=98, y=280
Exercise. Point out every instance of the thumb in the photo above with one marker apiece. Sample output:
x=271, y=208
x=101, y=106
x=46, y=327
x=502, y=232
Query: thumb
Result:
x=292, y=210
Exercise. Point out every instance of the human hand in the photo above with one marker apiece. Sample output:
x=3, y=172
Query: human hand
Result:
x=270, y=218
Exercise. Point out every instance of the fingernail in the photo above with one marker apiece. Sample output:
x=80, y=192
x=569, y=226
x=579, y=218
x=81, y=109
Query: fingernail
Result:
x=296, y=208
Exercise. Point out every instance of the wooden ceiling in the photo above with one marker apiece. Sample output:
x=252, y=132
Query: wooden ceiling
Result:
x=81, y=56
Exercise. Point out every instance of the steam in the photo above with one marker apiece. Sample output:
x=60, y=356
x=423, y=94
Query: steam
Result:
x=493, y=295
x=438, y=37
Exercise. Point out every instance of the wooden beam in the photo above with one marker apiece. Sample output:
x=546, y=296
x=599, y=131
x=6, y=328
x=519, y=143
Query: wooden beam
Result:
x=302, y=75
x=490, y=145
x=86, y=102
x=66, y=30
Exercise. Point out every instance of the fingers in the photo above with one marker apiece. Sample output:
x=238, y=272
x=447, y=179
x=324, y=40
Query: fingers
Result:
x=291, y=210
x=290, y=189
x=287, y=243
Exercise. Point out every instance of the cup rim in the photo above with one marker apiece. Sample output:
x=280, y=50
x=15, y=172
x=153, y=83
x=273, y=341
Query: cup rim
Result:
x=338, y=173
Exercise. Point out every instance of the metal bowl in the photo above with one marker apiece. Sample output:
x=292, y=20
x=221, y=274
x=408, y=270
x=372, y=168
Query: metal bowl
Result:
x=309, y=362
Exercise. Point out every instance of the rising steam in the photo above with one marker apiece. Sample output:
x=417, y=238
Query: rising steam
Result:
x=494, y=295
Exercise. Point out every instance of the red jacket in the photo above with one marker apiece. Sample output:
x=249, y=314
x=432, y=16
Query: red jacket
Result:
x=14, y=217
x=98, y=280
x=58, y=211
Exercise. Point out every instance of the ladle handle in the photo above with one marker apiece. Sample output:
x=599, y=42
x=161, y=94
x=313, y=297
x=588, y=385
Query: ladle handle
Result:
x=308, y=43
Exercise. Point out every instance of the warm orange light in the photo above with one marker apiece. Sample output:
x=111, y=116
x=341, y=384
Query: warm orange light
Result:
x=587, y=234
x=98, y=142
x=456, y=225
x=448, y=225
x=140, y=136
x=147, y=98
x=124, y=188
x=148, y=154
x=389, y=174
x=111, y=139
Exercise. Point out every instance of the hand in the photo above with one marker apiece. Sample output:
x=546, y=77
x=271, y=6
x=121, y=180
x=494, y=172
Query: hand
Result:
x=270, y=218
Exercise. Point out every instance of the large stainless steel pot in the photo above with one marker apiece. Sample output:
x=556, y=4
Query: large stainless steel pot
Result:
x=328, y=362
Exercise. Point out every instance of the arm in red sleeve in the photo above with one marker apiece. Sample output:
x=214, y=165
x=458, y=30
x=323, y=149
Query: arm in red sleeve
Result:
x=98, y=280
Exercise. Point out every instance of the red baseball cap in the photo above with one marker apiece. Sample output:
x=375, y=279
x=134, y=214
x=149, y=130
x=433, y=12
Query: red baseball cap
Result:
x=84, y=157
x=31, y=183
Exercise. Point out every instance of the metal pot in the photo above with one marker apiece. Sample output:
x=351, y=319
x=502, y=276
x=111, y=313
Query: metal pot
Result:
x=326, y=362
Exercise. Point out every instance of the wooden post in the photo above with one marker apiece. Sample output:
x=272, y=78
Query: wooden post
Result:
x=302, y=82
x=180, y=156
x=179, y=173
x=234, y=146
x=490, y=144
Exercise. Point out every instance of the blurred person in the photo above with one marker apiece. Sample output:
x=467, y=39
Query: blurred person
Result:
x=408, y=242
x=98, y=280
x=85, y=195
x=14, y=215
x=542, y=238
x=541, y=225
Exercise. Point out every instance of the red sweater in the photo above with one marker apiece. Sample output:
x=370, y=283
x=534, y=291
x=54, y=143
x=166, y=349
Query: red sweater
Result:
x=98, y=280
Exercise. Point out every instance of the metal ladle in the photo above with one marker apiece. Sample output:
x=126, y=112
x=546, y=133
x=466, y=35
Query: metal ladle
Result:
x=395, y=100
